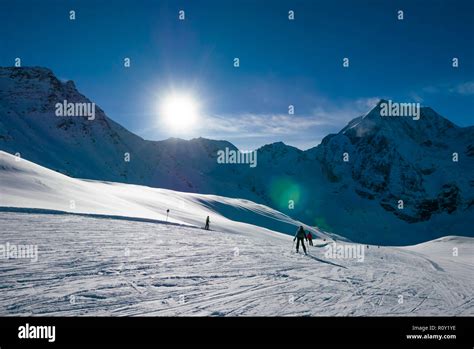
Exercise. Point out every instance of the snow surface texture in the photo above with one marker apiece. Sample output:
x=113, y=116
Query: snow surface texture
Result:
x=101, y=266
x=120, y=266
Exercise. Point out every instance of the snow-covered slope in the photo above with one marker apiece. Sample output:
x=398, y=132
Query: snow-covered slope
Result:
x=448, y=249
x=27, y=187
x=102, y=266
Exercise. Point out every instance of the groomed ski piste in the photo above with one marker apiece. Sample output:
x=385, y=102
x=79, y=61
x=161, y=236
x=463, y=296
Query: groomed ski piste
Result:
x=110, y=249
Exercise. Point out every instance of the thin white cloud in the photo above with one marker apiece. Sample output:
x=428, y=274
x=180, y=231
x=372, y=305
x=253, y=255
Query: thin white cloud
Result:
x=265, y=124
x=302, y=131
x=466, y=88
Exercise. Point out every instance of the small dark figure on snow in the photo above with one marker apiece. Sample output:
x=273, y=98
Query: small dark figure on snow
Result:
x=309, y=237
x=301, y=236
x=207, y=223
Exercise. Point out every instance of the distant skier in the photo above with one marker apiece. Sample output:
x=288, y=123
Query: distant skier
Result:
x=208, y=221
x=301, y=236
x=309, y=237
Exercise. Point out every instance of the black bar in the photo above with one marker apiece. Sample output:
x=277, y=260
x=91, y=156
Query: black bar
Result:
x=91, y=331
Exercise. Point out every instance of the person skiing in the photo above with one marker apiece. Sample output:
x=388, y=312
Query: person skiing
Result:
x=206, y=227
x=309, y=237
x=301, y=236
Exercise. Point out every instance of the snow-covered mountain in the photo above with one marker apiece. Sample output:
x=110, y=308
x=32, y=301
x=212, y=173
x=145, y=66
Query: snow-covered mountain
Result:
x=110, y=252
x=28, y=187
x=398, y=158
x=391, y=159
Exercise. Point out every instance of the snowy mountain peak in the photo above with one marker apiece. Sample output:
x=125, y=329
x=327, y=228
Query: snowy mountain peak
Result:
x=70, y=84
x=400, y=120
x=36, y=90
x=279, y=148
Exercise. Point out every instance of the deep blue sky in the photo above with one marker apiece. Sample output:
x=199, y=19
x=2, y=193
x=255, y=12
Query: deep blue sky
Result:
x=282, y=62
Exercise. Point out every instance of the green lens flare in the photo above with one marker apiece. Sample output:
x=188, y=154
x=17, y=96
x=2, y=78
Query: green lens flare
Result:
x=285, y=192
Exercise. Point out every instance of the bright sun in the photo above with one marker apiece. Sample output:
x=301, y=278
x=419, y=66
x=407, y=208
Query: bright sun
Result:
x=179, y=112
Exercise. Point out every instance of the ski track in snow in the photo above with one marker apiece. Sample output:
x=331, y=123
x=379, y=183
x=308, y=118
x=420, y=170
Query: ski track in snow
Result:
x=84, y=269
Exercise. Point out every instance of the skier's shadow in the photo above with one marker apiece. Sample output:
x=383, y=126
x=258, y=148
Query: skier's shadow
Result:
x=327, y=262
